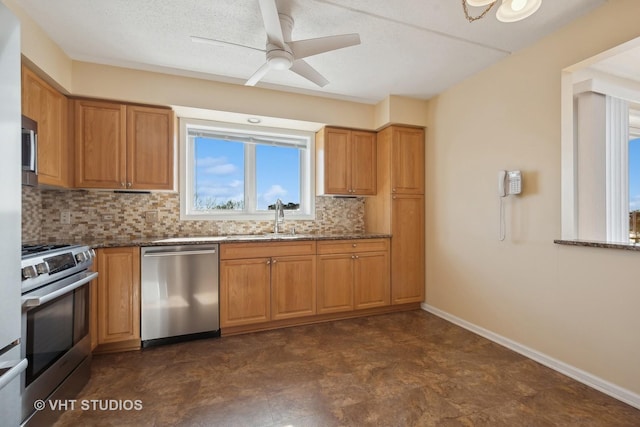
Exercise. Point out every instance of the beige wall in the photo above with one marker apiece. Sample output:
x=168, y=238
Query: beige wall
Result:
x=578, y=305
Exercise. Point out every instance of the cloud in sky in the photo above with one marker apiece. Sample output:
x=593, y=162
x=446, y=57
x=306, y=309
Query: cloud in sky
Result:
x=215, y=166
x=274, y=192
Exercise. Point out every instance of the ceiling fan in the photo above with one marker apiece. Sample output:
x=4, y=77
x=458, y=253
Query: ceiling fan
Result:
x=282, y=53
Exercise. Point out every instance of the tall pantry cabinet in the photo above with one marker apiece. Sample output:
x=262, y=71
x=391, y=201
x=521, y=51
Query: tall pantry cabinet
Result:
x=398, y=208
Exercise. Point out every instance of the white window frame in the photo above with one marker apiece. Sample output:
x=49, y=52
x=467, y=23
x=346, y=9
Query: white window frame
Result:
x=187, y=171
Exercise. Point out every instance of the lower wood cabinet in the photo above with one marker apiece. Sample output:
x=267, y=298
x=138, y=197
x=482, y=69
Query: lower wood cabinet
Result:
x=261, y=282
x=118, y=299
x=353, y=275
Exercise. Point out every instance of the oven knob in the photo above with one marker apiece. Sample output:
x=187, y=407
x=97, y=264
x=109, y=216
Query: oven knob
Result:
x=92, y=253
x=42, y=268
x=81, y=257
x=29, y=272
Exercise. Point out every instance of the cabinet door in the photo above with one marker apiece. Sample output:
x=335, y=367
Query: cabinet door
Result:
x=245, y=291
x=100, y=137
x=371, y=280
x=118, y=294
x=363, y=163
x=337, y=154
x=293, y=287
x=149, y=148
x=335, y=283
x=407, y=249
x=48, y=107
x=407, y=164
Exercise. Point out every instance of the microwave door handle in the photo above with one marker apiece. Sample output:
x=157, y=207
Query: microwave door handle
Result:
x=34, y=151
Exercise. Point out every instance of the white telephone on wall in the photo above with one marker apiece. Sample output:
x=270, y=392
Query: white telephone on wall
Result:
x=509, y=182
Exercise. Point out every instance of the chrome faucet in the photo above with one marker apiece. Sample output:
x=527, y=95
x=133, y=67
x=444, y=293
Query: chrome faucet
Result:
x=279, y=216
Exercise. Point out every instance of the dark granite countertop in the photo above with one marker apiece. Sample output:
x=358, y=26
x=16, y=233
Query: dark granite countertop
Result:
x=597, y=244
x=241, y=238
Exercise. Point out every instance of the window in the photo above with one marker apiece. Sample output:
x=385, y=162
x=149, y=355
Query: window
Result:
x=233, y=171
x=634, y=176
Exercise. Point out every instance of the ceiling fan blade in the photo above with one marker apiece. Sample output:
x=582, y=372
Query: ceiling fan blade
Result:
x=302, y=68
x=310, y=47
x=272, y=22
x=221, y=43
x=259, y=74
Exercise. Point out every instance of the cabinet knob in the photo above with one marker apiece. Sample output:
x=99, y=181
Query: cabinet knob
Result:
x=268, y=261
x=353, y=257
x=128, y=185
x=274, y=261
x=122, y=184
x=394, y=197
x=357, y=257
x=393, y=190
x=354, y=245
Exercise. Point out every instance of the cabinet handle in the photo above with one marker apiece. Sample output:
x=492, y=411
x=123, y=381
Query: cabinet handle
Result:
x=357, y=257
x=122, y=184
x=268, y=261
x=354, y=245
x=275, y=260
x=128, y=185
x=393, y=190
x=353, y=257
x=394, y=197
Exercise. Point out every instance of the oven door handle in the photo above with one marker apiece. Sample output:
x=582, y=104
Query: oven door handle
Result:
x=35, y=301
x=12, y=372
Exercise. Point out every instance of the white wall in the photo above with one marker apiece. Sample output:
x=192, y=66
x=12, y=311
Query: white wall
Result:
x=575, y=304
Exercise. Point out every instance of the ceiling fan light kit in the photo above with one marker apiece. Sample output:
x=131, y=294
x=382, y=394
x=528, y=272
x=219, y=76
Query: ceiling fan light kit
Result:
x=509, y=10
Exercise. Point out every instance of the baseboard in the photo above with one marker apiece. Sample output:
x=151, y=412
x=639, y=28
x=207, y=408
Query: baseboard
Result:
x=584, y=377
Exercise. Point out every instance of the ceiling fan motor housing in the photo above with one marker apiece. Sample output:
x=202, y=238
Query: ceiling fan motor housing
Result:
x=279, y=59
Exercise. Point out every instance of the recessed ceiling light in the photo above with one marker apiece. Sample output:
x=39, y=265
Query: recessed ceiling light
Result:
x=254, y=120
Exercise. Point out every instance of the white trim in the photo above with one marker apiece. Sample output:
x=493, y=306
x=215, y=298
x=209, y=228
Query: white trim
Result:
x=579, y=375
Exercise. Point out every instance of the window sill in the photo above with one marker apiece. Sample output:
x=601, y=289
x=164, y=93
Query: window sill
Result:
x=595, y=244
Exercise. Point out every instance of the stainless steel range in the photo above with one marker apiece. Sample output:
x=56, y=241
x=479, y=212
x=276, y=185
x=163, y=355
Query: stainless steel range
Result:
x=55, y=326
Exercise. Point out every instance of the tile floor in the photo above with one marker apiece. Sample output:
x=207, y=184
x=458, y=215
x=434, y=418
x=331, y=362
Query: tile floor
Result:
x=402, y=369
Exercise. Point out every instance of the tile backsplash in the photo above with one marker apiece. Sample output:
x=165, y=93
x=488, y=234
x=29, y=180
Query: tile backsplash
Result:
x=108, y=215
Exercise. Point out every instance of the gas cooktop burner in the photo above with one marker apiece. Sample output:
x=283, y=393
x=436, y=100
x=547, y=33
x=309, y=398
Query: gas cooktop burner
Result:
x=37, y=249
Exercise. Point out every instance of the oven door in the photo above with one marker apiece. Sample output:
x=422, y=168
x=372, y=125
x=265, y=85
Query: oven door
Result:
x=55, y=334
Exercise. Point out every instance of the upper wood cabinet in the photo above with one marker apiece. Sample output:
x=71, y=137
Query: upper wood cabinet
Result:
x=346, y=162
x=123, y=146
x=405, y=170
x=48, y=107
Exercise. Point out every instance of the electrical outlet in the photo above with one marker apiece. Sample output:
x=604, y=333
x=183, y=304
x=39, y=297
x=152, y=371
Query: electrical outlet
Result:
x=151, y=216
x=65, y=217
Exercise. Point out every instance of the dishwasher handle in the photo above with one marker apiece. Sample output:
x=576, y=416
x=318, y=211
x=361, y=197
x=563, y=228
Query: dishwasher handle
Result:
x=179, y=253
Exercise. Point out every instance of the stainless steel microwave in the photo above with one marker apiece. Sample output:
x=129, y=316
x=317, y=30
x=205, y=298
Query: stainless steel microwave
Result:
x=29, y=151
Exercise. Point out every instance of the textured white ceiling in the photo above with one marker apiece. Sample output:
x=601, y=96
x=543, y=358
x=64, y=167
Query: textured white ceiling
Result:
x=414, y=48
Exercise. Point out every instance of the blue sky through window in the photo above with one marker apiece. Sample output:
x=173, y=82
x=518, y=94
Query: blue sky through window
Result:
x=220, y=174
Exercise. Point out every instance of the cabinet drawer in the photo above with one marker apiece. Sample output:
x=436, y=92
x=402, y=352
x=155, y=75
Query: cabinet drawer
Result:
x=265, y=250
x=351, y=246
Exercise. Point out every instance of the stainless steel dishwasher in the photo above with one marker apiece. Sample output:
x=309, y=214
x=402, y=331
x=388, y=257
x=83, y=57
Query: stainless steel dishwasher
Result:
x=179, y=293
